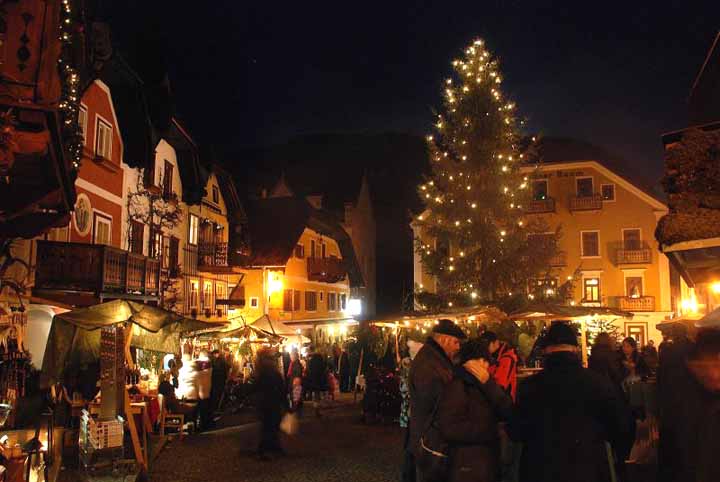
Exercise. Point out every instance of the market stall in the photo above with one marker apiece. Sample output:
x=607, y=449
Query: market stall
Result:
x=589, y=320
x=101, y=336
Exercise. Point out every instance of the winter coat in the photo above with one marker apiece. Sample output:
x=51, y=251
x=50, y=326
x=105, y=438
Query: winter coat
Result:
x=204, y=378
x=564, y=416
x=271, y=395
x=504, y=370
x=468, y=417
x=316, y=379
x=430, y=372
x=689, y=422
x=606, y=362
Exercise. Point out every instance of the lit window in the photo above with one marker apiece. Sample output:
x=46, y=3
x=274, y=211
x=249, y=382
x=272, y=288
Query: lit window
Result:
x=193, y=298
x=207, y=294
x=103, y=139
x=608, y=192
x=590, y=244
x=102, y=230
x=591, y=289
x=82, y=122
x=193, y=233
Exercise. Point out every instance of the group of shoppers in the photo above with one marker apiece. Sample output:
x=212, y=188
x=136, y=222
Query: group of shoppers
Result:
x=565, y=423
x=194, y=387
x=460, y=413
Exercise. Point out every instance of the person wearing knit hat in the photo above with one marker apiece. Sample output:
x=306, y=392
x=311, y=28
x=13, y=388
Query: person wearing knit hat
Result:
x=566, y=414
x=430, y=372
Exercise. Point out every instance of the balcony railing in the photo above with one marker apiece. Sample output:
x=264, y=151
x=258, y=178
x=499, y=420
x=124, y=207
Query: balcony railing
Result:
x=560, y=259
x=536, y=206
x=641, y=303
x=94, y=267
x=327, y=270
x=586, y=203
x=633, y=256
x=213, y=255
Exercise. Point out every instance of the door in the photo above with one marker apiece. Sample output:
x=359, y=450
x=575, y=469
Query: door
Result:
x=584, y=186
x=631, y=238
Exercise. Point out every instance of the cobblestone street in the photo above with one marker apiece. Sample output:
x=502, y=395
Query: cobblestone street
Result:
x=336, y=447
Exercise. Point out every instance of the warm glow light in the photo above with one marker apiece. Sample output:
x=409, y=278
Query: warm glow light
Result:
x=716, y=287
x=354, y=306
x=275, y=282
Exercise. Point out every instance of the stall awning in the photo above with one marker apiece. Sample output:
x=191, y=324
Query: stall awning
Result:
x=75, y=335
x=550, y=311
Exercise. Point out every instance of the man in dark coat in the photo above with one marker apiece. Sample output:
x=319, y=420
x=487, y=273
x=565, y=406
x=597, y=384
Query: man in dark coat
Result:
x=315, y=382
x=430, y=372
x=690, y=420
x=565, y=415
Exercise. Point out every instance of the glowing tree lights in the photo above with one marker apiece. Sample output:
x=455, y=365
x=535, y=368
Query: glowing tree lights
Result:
x=483, y=248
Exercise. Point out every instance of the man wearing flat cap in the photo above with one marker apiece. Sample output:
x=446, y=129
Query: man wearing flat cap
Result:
x=430, y=372
x=564, y=416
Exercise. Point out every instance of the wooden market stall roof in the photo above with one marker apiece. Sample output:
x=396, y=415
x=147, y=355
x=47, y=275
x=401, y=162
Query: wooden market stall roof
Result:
x=481, y=313
x=550, y=311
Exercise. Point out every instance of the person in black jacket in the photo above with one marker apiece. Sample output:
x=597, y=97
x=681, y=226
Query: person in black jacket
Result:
x=468, y=416
x=272, y=403
x=565, y=415
x=315, y=383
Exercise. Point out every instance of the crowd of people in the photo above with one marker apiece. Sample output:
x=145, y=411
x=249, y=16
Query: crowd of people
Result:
x=468, y=418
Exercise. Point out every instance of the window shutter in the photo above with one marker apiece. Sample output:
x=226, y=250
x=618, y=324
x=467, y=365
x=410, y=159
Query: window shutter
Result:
x=297, y=301
x=288, y=300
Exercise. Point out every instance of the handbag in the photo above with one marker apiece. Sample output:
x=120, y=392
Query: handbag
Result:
x=434, y=454
x=289, y=424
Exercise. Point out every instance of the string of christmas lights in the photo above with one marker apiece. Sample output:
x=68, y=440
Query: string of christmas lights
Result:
x=69, y=104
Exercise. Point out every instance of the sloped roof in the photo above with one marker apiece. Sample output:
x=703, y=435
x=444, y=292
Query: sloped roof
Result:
x=230, y=194
x=276, y=224
x=553, y=150
x=704, y=101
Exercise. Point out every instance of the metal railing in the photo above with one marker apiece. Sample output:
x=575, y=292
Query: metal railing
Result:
x=641, y=303
x=633, y=256
x=586, y=203
x=560, y=259
x=536, y=206
x=213, y=254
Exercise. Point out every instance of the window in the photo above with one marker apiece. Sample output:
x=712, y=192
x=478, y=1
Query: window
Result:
x=343, y=302
x=299, y=251
x=58, y=234
x=584, y=186
x=631, y=238
x=156, y=250
x=102, y=230
x=193, y=298
x=220, y=295
x=312, y=248
x=82, y=122
x=323, y=251
x=103, y=139
x=542, y=287
x=332, y=302
x=634, y=286
x=591, y=290
x=254, y=302
x=288, y=300
x=540, y=189
x=174, y=255
x=207, y=294
x=590, y=244
x=310, y=301
x=608, y=192
x=215, y=194
x=638, y=331
x=297, y=300
x=167, y=181
x=137, y=231
x=194, y=223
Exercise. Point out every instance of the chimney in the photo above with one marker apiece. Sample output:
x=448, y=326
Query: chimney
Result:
x=315, y=200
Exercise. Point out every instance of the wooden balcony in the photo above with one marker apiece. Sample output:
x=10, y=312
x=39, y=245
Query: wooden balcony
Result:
x=538, y=206
x=633, y=256
x=212, y=255
x=586, y=203
x=103, y=270
x=327, y=270
x=559, y=260
x=642, y=303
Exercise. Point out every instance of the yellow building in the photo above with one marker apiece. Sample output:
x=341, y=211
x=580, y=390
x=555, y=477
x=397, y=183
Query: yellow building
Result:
x=607, y=242
x=298, y=271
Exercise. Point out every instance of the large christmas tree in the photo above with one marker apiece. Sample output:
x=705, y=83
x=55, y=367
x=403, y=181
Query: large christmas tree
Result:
x=485, y=249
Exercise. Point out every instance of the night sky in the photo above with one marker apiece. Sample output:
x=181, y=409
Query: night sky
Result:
x=257, y=73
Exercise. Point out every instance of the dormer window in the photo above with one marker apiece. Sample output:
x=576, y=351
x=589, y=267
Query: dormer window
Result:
x=215, y=195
